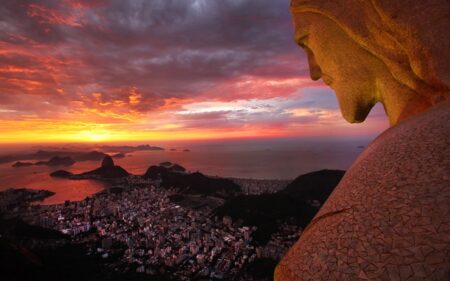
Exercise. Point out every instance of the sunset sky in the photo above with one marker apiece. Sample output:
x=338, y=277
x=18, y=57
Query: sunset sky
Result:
x=118, y=70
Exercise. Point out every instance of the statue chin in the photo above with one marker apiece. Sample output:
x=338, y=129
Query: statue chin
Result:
x=355, y=110
x=354, y=119
x=355, y=115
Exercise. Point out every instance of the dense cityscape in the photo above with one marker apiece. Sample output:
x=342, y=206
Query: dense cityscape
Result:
x=135, y=226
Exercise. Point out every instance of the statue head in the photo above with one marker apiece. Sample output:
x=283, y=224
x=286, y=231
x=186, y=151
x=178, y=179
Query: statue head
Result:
x=369, y=51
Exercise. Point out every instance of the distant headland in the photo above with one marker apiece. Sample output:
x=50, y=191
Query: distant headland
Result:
x=75, y=154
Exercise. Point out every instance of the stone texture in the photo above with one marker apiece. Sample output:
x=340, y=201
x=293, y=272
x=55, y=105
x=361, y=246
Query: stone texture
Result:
x=389, y=217
x=377, y=227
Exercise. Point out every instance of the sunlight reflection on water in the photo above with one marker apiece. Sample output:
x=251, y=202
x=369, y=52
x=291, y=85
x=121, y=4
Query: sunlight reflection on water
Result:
x=260, y=160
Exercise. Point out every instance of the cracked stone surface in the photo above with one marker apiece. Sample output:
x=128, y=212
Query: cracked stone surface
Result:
x=389, y=217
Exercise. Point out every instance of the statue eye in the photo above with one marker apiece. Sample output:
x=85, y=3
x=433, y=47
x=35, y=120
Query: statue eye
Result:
x=302, y=41
x=303, y=45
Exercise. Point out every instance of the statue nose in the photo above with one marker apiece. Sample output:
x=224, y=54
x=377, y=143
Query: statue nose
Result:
x=314, y=69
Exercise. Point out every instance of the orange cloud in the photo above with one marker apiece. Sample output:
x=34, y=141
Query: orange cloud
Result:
x=122, y=106
x=254, y=87
x=46, y=15
x=134, y=97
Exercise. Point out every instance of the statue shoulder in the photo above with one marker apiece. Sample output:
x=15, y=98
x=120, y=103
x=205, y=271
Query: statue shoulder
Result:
x=393, y=200
x=410, y=155
x=422, y=133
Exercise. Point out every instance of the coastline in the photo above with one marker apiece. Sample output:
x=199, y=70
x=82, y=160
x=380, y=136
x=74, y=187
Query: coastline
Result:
x=180, y=233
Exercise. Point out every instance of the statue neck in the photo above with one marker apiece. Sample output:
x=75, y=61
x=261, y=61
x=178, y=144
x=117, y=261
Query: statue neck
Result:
x=400, y=102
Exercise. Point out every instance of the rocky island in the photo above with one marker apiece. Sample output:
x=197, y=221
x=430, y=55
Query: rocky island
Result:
x=19, y=164
x=61, y=156
x=54, y=161
x=107, y=170
x=61, y=174
x=57, y=161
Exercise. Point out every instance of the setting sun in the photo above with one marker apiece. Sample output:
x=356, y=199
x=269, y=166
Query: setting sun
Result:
x=94, y=136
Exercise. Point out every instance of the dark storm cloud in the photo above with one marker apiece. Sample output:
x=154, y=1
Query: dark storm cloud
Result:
x=71, y=49
x=257, y=24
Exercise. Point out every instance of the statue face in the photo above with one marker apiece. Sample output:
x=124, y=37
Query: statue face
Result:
x=346, y=67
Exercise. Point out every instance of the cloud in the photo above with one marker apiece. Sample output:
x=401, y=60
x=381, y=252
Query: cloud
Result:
x=173, y=48
x=131, y=61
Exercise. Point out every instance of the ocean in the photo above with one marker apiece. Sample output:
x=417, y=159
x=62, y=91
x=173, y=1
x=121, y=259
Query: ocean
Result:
x=257, y=159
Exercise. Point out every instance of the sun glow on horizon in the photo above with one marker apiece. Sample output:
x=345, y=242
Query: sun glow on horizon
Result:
x=56, y=133
x=94, y=136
